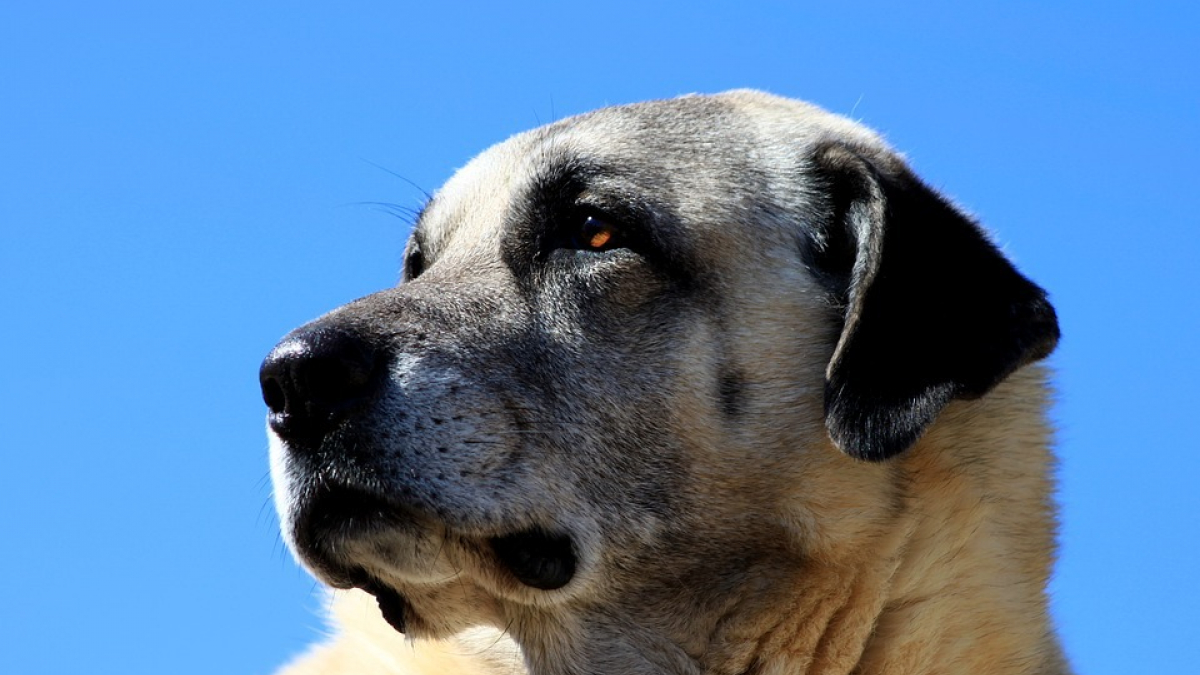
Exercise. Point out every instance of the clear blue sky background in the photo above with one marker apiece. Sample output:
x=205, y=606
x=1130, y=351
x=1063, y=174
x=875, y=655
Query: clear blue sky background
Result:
x=183, y=182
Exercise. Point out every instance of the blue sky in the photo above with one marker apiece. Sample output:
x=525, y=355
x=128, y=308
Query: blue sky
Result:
x=182, y=183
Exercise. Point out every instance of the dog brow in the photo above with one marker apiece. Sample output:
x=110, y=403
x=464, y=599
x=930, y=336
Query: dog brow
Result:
x=423, y=212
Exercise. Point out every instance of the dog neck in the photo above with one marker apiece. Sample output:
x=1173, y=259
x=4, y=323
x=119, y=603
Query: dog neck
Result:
x=948, y=578
x=952, y=581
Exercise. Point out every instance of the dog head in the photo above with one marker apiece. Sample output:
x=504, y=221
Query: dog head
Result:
x=631, y=348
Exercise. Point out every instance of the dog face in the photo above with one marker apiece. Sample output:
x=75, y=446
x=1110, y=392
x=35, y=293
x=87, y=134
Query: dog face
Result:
x=640, y=360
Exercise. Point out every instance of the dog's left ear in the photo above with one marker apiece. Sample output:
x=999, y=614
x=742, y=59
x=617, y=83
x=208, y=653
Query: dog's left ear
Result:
x=932, y=311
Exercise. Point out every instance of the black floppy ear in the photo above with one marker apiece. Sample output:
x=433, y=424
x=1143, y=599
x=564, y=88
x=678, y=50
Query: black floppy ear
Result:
x=932, y=310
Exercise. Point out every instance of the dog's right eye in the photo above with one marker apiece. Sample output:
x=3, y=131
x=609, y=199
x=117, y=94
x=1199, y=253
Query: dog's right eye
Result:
x=414, y=262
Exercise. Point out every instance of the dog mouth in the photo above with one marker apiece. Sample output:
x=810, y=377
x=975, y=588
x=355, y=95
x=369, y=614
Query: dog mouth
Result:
x=338, y=519
x=332, y=515
x=394, y=608
x=537, y=558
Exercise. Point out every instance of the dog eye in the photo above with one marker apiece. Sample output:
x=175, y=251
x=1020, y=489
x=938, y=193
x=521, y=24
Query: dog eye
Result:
x=414, y=262
x=597, y=234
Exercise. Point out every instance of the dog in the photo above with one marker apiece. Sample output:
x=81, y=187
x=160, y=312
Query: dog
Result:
x=711, y=385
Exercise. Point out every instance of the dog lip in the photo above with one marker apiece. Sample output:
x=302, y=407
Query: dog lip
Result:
x=537, y=558
x=336, y=513
x=393, y=606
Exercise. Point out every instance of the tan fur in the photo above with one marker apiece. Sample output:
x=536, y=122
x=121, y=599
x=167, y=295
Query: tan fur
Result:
x=933, y=562
x=368, y=645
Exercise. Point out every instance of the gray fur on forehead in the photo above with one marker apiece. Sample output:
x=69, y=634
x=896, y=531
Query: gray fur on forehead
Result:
x=713, y=120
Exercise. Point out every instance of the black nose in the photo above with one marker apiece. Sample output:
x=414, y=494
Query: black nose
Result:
x=313, y=378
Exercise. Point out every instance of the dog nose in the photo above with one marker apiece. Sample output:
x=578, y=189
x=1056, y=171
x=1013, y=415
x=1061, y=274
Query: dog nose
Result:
x=313, y=378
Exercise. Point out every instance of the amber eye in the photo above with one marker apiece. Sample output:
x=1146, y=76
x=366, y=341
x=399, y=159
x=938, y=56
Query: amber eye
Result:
x=596, y=234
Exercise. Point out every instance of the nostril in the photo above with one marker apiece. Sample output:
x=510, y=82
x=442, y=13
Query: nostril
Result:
x=313, y=378
x=273, y=395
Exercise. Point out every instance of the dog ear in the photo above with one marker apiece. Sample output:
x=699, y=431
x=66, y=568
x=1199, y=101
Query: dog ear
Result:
x=932, y=311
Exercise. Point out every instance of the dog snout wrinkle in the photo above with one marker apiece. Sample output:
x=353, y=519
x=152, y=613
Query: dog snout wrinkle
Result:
x=313, y=378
